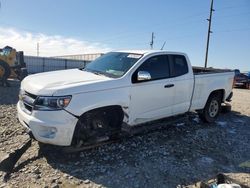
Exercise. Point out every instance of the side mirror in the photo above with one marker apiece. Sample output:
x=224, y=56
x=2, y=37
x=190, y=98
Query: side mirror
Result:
x=143, y=75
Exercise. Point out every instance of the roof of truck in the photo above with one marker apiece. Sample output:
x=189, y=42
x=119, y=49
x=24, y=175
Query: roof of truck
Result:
x=148, y=51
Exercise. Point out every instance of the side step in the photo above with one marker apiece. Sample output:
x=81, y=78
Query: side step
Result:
x=128, y=131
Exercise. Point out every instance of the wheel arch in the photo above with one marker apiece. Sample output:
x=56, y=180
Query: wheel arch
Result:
x=204, y=113
x=108, y=108
x=220, y=92
x=105, y=108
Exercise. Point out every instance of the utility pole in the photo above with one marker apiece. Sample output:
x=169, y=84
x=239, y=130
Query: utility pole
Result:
x=37, y=49
x=152, y=41
x=209, y=30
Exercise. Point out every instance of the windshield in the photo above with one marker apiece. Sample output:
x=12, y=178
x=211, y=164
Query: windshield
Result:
x=113, y=64
x=5, y=51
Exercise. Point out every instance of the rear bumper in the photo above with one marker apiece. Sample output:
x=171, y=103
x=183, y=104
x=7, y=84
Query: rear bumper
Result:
x=51, y=127
x=240, y=83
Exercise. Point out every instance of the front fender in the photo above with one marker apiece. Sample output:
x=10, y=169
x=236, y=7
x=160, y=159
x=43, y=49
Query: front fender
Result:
x=84, y=102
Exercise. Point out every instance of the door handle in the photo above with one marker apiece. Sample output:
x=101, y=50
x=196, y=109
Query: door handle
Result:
x=169, y=85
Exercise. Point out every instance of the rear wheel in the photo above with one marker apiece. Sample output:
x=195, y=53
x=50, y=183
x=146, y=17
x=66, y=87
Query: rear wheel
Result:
x=212, y=108
x=4, y=70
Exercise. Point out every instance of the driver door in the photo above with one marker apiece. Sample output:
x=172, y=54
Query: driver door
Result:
x=153, y=98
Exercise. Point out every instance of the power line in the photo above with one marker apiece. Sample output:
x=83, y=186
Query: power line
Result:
x=170, y=24
x=233, y=30
x=233, y=15
x=125, y=35
x=133, y=34
x=230, y=7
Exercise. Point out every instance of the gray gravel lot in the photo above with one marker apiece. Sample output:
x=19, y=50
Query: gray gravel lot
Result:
x=182, y=153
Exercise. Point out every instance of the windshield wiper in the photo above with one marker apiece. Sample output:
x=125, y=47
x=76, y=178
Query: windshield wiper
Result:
x=96, y=72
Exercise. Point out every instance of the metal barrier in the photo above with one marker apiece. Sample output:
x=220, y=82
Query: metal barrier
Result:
x=36, y=64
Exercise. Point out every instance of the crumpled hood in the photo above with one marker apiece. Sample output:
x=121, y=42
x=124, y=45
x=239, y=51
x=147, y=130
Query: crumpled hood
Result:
x=49, y=83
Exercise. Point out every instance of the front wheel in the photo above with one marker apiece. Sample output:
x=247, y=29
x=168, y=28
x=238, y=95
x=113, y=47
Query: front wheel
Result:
x=212, y=108
x=96, y=126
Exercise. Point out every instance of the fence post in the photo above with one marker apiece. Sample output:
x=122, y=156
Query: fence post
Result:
x=43, y=64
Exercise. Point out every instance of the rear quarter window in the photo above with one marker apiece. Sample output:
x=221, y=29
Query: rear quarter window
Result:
x=179, y=65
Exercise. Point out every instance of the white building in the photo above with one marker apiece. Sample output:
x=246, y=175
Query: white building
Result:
x=84, y=57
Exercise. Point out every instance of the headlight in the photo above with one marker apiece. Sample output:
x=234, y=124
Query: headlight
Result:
x=52, y=103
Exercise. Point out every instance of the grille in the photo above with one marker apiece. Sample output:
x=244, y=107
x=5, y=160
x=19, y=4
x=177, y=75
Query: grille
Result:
x=28, y=100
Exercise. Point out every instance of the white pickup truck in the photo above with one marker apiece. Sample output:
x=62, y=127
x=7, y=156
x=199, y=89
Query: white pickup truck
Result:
x=71, y=107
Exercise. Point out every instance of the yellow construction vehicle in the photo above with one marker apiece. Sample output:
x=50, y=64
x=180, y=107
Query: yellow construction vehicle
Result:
x=11, y=65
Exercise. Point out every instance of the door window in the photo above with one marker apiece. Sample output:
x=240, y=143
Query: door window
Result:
x=156, y=66
x=179, y=65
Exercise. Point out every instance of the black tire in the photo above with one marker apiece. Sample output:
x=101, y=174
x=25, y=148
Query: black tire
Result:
x=225, y=108
x=96, y=124
x=212, y=108
x=6, y=69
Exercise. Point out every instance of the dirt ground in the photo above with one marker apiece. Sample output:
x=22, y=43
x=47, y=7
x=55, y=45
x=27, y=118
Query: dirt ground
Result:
x=180, y=154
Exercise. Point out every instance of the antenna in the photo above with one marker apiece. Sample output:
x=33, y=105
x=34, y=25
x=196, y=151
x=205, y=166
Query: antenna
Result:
x=163, y=45
x=209, y=30
x=152, y=41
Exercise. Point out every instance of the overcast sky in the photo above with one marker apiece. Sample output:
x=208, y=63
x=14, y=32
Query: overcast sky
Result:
x=87, y=26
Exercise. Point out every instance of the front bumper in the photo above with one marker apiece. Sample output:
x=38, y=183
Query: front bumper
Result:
x=51, y=127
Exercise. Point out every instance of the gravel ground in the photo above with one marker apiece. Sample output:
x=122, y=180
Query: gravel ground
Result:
x=182, y=154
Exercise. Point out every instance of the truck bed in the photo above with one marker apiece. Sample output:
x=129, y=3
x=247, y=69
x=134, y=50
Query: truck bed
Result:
x=202, y=70
x=208, y=80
